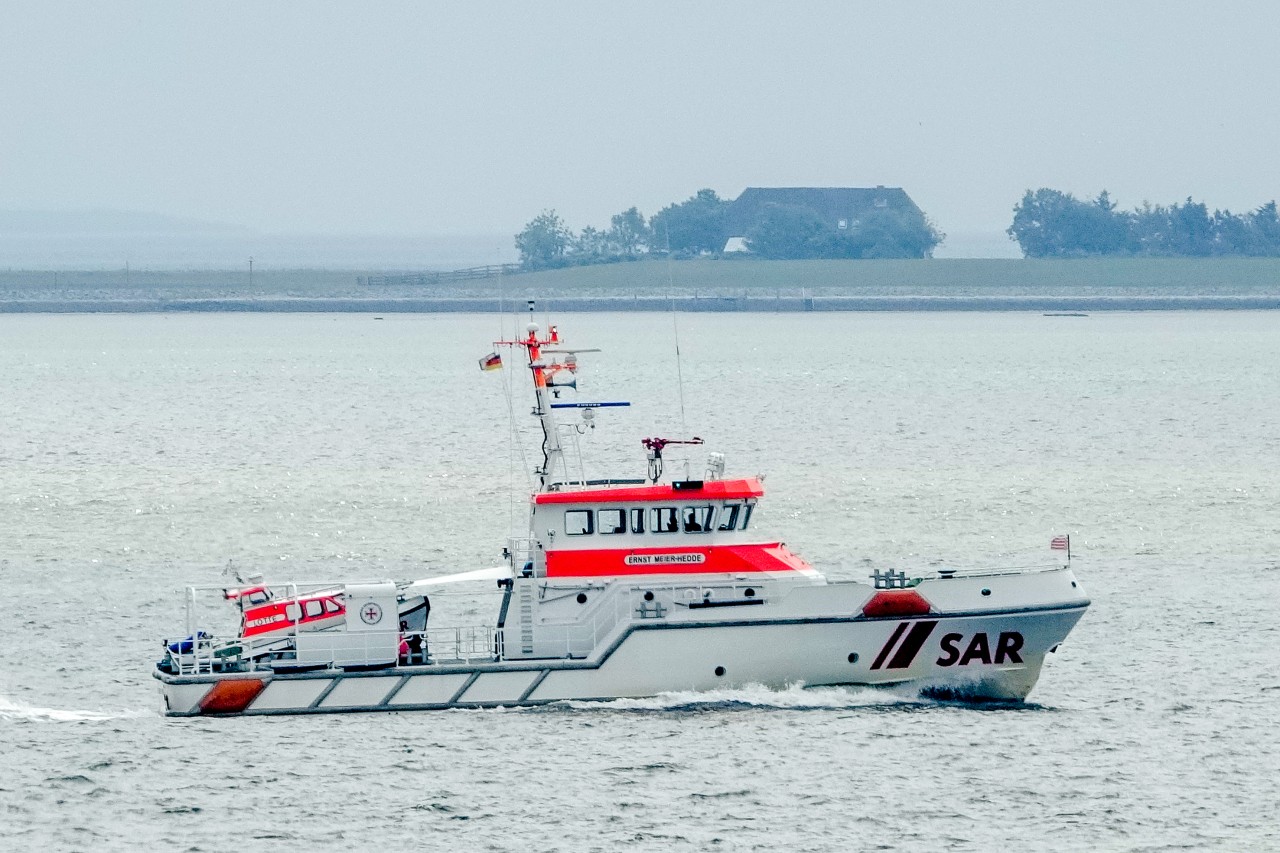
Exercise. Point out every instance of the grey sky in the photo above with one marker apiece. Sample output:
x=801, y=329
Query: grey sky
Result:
x=469, y=118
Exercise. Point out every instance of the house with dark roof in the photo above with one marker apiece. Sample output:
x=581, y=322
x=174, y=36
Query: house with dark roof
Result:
x=842, y=208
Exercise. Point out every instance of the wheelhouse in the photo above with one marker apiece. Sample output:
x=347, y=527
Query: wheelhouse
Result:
x=691, y=526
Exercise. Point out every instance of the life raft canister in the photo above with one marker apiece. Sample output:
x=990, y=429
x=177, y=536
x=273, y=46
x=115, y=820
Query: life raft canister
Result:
x=896, y=602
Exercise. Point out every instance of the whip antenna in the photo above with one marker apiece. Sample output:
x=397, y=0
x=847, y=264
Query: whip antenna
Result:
x=675, y=328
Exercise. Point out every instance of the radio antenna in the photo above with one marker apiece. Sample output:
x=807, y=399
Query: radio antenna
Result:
x=675, y=327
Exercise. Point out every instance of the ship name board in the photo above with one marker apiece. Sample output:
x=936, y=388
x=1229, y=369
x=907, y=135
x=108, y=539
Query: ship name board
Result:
x=663, y=559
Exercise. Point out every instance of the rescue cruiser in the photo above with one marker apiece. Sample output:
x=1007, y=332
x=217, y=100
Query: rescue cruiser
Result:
x=623, y=588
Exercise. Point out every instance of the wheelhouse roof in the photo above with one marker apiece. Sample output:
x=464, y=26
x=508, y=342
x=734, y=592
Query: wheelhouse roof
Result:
x=686, y=490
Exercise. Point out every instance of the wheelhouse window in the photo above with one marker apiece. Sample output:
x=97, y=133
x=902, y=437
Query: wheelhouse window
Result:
x=313, y=608
x=729, y=517
x=578, y=522
x=697, y=519
x=293, y=612
x=746, y=516
x=331, y=606
x=664, y=519
x=612, y=520
x=637, y=521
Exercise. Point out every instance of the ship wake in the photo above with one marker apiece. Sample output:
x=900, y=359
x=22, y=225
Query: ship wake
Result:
x=10, y=710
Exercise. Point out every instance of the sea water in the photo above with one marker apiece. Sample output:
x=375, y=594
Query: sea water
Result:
x=140, y=454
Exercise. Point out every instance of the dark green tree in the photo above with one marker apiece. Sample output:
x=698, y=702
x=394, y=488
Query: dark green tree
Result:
x=794, y=232
x=1050, y=223
x=1037, y=222
x=543, y=242
x=787, y=232
x=628, y=232
x=590, y=246
x=1264, y=228
x=1152, y=230
x=888, y=233
x=1232, y=234
x=695, y=225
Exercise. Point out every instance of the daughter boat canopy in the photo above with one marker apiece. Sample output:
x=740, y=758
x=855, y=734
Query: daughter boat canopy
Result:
x=622, y=588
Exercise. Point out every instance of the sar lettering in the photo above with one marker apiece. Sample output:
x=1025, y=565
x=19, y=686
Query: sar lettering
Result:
x=978, y=649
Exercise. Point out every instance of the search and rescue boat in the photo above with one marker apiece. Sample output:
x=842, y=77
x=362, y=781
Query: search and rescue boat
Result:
x=623, y=588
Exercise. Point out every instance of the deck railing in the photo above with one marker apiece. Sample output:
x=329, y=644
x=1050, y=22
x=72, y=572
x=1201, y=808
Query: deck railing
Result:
x=298, y=648
x=320, y=649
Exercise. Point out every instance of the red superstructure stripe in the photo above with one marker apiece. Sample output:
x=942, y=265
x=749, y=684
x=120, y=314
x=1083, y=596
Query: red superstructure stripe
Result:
x=715, y=559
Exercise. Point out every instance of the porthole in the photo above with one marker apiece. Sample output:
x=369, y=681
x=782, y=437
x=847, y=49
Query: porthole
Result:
x=582, y=598
x=719, y=671
x=648, y=596
x=853, y=657
x=986, y=591
x=750, y=593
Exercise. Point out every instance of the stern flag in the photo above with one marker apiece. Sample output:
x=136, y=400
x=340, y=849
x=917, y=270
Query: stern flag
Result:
x=1061, y=543
x=492, y=361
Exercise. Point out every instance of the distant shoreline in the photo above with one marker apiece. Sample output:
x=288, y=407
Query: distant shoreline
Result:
x=1056, y=305
x=702, y=285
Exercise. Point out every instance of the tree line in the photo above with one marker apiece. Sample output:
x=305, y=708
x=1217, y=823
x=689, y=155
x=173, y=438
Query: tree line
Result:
x=698, y=226
x=691, y=227
x=1049, y=223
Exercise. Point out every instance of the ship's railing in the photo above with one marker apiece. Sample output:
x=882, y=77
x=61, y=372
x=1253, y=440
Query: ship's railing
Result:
x=524, y=553
x=992, y=571
x=198, y=653
x=582, y=636
x=463, y=644
x=203, y=653
x=575, y=638
x=582, y=639
x=204, y=649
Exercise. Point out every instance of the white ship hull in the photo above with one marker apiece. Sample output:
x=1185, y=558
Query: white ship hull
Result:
x=974, y=655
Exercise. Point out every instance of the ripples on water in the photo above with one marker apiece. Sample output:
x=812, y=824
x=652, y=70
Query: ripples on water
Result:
x=142, y=453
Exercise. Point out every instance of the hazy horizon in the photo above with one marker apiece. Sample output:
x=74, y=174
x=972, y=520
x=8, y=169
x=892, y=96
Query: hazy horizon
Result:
x=106, y=239
x=464, y=121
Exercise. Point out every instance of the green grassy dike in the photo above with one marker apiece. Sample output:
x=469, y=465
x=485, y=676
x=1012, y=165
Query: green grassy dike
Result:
x=935, y=276
x=1253, y=282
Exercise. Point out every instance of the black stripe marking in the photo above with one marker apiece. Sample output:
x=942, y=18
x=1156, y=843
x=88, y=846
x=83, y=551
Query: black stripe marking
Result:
x=884, y=653
x=911, y=645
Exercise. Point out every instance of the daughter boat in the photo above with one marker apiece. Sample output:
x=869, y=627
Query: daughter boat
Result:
x=623, y=588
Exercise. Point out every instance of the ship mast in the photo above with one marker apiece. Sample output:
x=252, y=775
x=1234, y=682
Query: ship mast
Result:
x=544, y=387
x=552, y=450
x=548, y=379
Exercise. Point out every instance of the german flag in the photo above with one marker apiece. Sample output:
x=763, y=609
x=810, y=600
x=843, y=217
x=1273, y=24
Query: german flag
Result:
x=492, y=361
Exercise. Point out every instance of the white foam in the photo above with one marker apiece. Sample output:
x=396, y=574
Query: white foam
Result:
x=793, y=697
x=10, y=710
